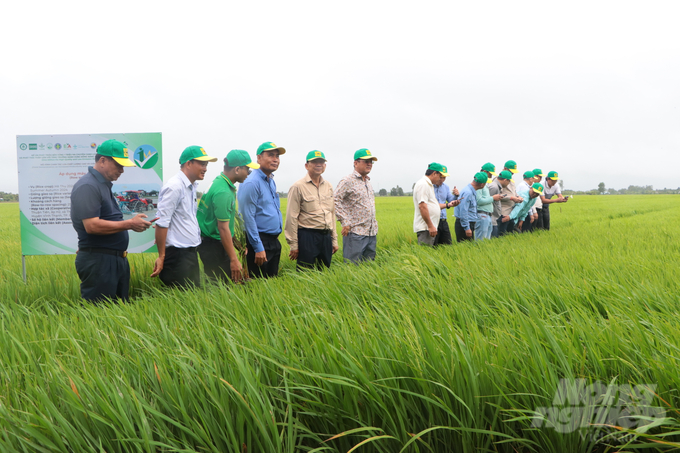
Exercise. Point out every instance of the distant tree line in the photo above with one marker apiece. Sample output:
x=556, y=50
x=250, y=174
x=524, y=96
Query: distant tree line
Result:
x=630, y=190
x=5, y=196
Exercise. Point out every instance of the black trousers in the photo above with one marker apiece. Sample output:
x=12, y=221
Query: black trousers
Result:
x=315, y=248
x=180, y=268
x=460, y=232
x=544, y=216
x=527, y=226
x=505, y=227
x=443, y=233
x=216, y=262
x=103, y=276
x=538, y=224
x=272, y=248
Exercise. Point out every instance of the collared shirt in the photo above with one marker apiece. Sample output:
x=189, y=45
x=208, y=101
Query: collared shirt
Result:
x=91, y=197
x=423, y=192
x=466, y=211
x=444, y=195
x=549, y=192
x=355, y=205
x=484, y=200
x=260, y=207
x=522, y=187
x=312, y=207
x=177, y=212
x=506, y=203
x=495, y=188
x=218, y=204
x=521, y=210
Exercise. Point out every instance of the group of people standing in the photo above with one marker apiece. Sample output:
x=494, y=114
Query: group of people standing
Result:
x=487, y=207
x=209, y=227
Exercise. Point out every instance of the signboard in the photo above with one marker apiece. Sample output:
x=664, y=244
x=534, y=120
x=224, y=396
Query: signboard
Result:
x=49, y=165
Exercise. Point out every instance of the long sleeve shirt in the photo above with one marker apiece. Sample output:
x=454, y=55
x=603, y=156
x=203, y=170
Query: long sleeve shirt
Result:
x=520, y=211
x=466, y=211
x=355, y=205
x=311, y=207
x=444, y=195
x=177, y=208
x=506, y=203
x=522, y=187
x=495, y=188
x=260, y=207
x=484, y=200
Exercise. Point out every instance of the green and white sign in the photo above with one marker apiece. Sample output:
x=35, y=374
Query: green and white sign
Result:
x=49, y=165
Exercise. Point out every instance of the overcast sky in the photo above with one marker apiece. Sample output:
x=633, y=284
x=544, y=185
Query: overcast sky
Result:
x=589, y=89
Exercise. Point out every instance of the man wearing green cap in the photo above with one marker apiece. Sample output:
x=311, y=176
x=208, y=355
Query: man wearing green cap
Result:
x=538, y=207
x=485, y=205
x=526, y=225
x=355, y=209
x=551, y=189
x=511, y=197
x=216, y=218
x=260, y=208
x=101, y=261
x=426, y=216
x=496, y=187
x=466, y=211
x=521, y=210
x=310, y=216
x=177, y=232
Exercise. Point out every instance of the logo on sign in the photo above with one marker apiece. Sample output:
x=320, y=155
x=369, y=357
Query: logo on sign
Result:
x=145, y=156
x=32, y=146
x=67, y=146
x=23, y=146
x=93, y=145
x=57, y=146
x=50, y=146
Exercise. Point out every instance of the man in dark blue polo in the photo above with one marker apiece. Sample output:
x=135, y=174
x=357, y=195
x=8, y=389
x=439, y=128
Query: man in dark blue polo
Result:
x=260, y=209
x=101, y=261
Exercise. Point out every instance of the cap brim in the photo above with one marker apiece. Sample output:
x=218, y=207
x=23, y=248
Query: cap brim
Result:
x=512, y=171
x=315, y=158
x=555, y=178
x=493, y=173
x=205, y=159
x=279, y=149
x=541, y=174
x=124, y=162
x=373, y=158
x=253, y=165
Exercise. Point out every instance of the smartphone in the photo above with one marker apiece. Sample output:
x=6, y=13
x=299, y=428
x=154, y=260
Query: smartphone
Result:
x=152, y=221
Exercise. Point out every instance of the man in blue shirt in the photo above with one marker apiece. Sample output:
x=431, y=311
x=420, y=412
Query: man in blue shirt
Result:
x=260, y=209
x=446, y=197
x=466, y=211
x=521, y=210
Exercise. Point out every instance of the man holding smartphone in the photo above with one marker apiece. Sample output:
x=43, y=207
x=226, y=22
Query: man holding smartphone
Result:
x=496, y=187
x=552, y=188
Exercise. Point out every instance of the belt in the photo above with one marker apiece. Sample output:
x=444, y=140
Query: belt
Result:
x=121, y=253
x=317, y=230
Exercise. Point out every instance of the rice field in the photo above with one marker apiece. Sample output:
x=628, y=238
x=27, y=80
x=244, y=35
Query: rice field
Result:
x=510, y=345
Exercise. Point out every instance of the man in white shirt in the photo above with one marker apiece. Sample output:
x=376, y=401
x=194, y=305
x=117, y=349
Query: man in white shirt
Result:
x=177, y=232
x=552, y=188
x=427, y=208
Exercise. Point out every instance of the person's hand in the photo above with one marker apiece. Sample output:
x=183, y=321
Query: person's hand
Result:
x=138, y=224
x=505, y=218
x=497, y=197
x=432, y=230
x=236, y=270
x=335, y=249
x=517, y=199
x=260, y=258
x=345, y=230
x=519, y=225
x=293, y=254
x=455, y=191
x=468, y=233
x=157, y=266
x=455, y=203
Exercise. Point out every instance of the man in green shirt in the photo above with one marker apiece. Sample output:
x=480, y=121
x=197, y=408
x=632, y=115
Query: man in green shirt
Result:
x=216, y=216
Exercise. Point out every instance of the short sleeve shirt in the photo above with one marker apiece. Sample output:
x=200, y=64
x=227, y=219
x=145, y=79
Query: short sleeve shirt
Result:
x=218, y=204
x=423, y=192
x=549, y=192
x=91, y=197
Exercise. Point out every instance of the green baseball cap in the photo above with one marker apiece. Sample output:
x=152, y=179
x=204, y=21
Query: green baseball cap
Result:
x=553, y=175
x=505, y=174
x=491, y=168
x=511, y=165
x=438, y=167
x=195, y=152
x=364, y=154
x=116, y=151
x=269, y=146
x=538, y=188
x=315, y=155
x=239, y=158
x=538, y=172
x=528, y=174
x=481, y=177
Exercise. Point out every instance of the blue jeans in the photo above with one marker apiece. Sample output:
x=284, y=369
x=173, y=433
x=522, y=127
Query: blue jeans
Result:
x=483, y=226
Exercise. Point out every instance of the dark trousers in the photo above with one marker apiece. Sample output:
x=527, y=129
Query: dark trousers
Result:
x=180, y=268
x=527, y=226
x=544, y=216
x=443, y=233
x=315, y=248
x=505, y=227
x=103, y=276
x=460, y=232
x=216, y=262
x=272, y=248
x=538, y=223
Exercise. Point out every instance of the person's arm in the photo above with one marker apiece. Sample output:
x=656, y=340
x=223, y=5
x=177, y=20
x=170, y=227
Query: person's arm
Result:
x=425, y=214
x=98, y=226
x=161, y=236
x=464, y=211
x=228, y=243
x=292, y=213
x=86, y=202
x=482, y=200
x=339, y=197
x=248, y=197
